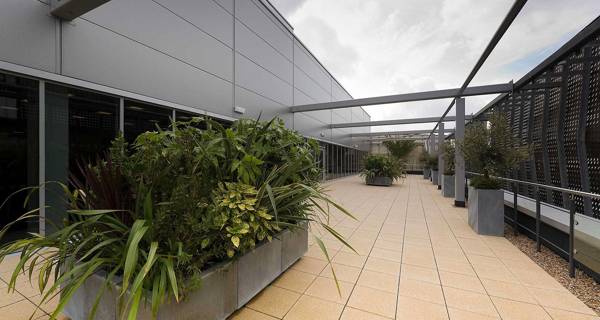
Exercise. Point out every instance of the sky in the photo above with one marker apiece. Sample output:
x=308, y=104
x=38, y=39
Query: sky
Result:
x=382, y=47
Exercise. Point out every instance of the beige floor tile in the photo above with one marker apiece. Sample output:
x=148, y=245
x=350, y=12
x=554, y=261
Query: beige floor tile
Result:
x=460, y=281
x=515, y=310
x=21, y=310
x=382, y=265
x=560, y=300
x=6, y=297
x=342, y=272
x=558, y=314
x=507, y=290
x=374, y=301
x=419, y=273
x=355, y=314
x=310, y=265
x=274, y=301
x=495, y=272
x=378, y=280
x=295, y=280
x=421, y=290
x=315, y=252
x=457, y=314
x=309, y=308
x=386, y=254
x=349, y=259
x=249, y=314
x=469, y=301
x=326, y=288
x=389, y=245
x=410, y=308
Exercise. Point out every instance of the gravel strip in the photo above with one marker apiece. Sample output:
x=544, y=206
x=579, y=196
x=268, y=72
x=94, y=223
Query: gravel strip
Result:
x=583, y=286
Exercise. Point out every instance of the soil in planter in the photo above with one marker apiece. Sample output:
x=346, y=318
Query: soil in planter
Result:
x=582, y=286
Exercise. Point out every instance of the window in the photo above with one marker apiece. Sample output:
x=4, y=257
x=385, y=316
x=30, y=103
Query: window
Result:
x=18, y=148
x=141, y=117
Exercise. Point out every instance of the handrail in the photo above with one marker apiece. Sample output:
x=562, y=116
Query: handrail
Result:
x=570, y=204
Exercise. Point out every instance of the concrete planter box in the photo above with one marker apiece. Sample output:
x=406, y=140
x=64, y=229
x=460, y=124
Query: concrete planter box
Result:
x=225, y=288
x=434, y=177
x=486, y=211
x=379, y=181
x=426, y=173
x=448, y=186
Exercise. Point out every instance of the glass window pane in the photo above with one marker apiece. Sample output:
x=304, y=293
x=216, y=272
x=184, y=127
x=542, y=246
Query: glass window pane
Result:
x=18, y=148
x=141, y=117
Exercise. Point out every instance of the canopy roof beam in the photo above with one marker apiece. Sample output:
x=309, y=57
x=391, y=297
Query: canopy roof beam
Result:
x=407, y=97
x=395, y=133
x=391, y=122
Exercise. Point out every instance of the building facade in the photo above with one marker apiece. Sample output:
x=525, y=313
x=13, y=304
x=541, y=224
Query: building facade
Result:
x=68, y=87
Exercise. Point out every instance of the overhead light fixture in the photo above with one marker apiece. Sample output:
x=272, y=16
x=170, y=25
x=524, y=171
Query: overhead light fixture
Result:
x=238, y=109
x=104, y=113
x=8, y=108
x=136, y=108
x=77, y=117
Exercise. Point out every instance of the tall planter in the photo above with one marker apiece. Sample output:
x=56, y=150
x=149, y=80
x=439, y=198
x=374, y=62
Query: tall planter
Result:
x=486, y=211
x=448, y=186
x=379, y=181
x=434, y=177
x=225, y=287
x=426, y=173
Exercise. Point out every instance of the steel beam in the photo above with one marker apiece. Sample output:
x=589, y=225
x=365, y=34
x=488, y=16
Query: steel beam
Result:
x=394, y=133
x=391, y=122
x=407, y=97
x=459, y=160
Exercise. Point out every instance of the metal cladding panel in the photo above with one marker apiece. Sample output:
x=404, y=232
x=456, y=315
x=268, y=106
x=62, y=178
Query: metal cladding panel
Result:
x=305, y=62
x=257, y=18
x=251, y=76
x=257, y=106
x=301, y=98
x=225, y=4
x=98, y=55
x=309, y=87
x=345, y=115
x=311, y=127
x=206, y=15
x=28, y=34
x=254, y=48
x=137, y=20
x=338, y=93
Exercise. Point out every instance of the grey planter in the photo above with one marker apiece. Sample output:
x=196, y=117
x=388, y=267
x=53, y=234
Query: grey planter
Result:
x=486, y=211
x=448, y=186
x=426, y=173
x=434, y=177
x=225, y=288
x=379, y=181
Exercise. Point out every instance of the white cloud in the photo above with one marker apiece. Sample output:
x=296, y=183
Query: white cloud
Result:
x=379, y=47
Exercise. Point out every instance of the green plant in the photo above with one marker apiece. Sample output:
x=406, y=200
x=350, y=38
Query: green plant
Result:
x=449, y=151
x=156, y=213
x=399, y=149
x=382, y=166
x=491, y=150
x=432, y=161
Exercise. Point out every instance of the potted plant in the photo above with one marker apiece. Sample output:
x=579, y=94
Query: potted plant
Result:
x=423, y=160
x=184, y=223
x=381, y=170
x=433, y=164
x=490, y=149
x=448, y=176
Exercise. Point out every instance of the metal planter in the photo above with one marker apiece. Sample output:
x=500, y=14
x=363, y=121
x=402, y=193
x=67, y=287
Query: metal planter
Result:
x=379, y=181
x=426, y=173
x=225, y=288
x=448, y=186
x=486, y=211
x=434, y=177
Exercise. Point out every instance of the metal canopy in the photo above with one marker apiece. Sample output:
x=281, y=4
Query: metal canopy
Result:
x=394, y=133
x=407, y=97
x=391, y=122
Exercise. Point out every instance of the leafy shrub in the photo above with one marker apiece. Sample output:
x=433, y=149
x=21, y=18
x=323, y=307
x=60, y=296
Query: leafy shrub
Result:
x=399, y=149
x=159, y=212
x=432, y=161
x=382, y=166
x=491, y=150
x=449, y=159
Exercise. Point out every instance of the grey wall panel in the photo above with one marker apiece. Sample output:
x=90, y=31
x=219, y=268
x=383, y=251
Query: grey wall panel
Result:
x=341, y=136
x=27, y=34
x=301, y=98
x=311, y=127
x=226, y=4
x=338, y=92
x=98, y=55
x=261, y=22
x=257, y=105
x=305, y=62
x=207, y=15
x=251, y=76
x=344, y=114
x=136, y=19
x=255, y=49
x=309, y=87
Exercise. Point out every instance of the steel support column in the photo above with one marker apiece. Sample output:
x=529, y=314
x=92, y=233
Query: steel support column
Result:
x=459, y=160
x=440, y=154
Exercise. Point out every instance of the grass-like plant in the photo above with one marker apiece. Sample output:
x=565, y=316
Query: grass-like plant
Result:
x=492, y=150
x=150, y=217
x=382, y=166
x=399, y=149
x=449, y=160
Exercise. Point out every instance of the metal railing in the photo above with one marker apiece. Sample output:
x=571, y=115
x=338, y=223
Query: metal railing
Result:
x=569, y=205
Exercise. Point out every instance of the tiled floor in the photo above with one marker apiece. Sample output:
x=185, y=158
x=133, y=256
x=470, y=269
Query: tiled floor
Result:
x=418, y=260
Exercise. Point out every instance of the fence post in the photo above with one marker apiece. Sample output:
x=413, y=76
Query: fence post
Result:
x=571, y=237
x=515, y=210
x=538, y=214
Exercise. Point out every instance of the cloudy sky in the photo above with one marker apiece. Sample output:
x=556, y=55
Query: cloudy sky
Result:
x=381, y=47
